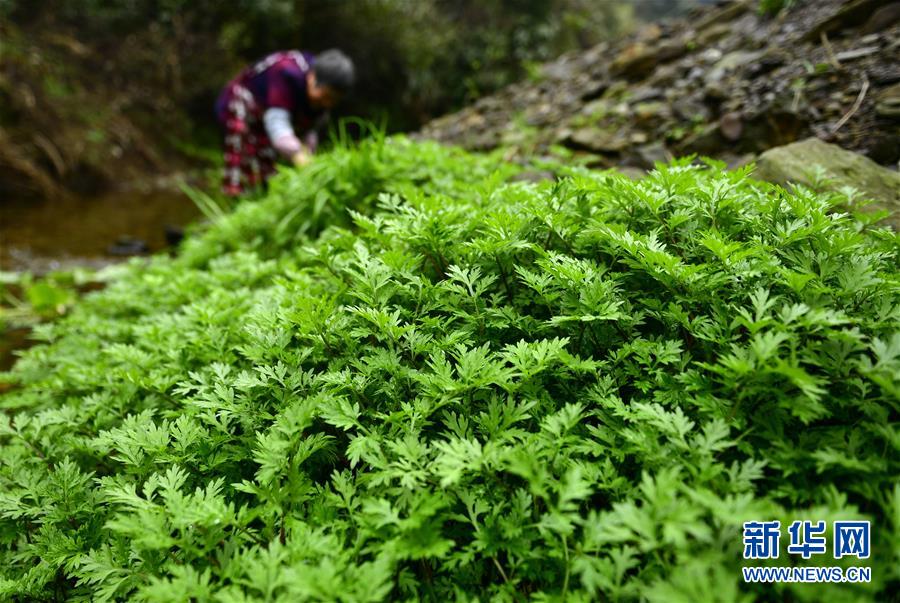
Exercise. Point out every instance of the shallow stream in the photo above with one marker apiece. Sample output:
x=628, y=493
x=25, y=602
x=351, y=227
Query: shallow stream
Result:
x=42, y=236
x=45, y=236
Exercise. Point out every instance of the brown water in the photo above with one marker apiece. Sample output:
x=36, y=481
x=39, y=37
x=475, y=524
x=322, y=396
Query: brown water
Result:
x=12, y=340
x=41, y=236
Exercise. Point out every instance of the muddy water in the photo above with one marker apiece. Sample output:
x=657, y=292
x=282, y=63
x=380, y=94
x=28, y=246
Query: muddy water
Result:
x=44, y=236
x=41, y=236
x=12, y=340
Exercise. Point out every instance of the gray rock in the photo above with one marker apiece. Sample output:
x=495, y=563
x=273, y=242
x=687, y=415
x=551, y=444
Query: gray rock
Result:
x=651, y=114
x=883, y=18
x=852, y=13
x=856, y=53
x=716, y=91
x=889, y=102
x=710, y=55
x=558, y=70
x=729, y=12
x=596, y=140
x=731, y=125
x=639, y=59
x=794, y=163
x=712, y=33
x=691, y=108
x=645, y=93
x=730, y=62
x=647, y=155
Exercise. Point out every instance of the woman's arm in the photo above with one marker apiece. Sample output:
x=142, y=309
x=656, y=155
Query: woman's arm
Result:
x=277, y=122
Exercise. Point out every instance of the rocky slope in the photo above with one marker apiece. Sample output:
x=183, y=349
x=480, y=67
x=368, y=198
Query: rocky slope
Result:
x=727, y=82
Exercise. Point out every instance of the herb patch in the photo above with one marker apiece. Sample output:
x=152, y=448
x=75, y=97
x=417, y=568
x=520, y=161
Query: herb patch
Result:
x=402, y=376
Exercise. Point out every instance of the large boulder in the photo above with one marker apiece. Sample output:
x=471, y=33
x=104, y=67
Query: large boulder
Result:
x=796, y=163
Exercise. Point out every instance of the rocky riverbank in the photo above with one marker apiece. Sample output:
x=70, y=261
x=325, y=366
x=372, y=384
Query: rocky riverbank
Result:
x=728, y=82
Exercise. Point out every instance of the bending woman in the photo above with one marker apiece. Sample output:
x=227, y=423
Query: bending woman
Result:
x=260, y=107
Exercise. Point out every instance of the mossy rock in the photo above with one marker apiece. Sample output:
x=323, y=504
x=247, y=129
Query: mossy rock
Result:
x=797, y=163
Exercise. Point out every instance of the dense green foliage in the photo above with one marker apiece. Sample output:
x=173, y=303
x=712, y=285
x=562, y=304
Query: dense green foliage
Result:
x=403, y=375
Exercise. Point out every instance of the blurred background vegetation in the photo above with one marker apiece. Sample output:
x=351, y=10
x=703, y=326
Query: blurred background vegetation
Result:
x=416, y=58
x=91, y=88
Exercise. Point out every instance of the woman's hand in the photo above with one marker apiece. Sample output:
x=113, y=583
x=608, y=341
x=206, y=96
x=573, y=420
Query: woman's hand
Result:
x=301, y=158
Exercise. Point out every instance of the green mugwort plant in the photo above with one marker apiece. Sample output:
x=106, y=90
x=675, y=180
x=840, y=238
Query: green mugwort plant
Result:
x=404, y=375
